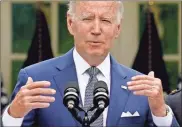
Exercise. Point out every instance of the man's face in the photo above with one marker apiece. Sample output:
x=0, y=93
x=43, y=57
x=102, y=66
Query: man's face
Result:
x=94, y=27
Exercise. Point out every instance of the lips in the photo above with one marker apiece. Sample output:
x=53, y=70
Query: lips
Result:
x=94, y=43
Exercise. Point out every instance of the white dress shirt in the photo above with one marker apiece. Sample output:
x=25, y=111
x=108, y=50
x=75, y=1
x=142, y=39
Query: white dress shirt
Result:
x=81, y=67
x=83, y=78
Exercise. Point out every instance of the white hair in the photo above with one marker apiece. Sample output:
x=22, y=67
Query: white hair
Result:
x=72, y=4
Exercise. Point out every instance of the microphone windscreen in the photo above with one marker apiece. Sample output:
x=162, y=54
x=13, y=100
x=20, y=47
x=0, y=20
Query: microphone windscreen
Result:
x=100, y=85
x=72, y=85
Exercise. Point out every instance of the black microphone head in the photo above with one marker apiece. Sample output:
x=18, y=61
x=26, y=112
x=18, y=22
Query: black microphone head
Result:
x=100, y=86
x=73, y=86
x=71, y=95
x=101, y=94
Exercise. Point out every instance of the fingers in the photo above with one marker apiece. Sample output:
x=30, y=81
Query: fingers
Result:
x=33, y=91
x=142, y=77
x=38, y=105
x=146, y=85
x=139, y=87
x=33, y=102
x=138, y=82
x=44, y=91
x=38, y=91
x=30, y=80
x=152, y=93
x=143, y=92
x=40, y=98
x=39, y=84
x=151, y=74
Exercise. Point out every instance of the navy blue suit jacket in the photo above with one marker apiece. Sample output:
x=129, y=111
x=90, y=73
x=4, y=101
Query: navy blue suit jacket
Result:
x=60, y=70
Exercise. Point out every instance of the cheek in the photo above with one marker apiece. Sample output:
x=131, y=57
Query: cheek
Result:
x=82, y=28
x=109, y=37
x=79, y=34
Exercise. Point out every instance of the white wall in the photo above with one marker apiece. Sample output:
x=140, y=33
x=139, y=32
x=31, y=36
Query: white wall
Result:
x=126, y=46
x=5, y=49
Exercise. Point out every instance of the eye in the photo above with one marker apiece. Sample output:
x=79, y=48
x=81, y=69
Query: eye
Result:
x=105, y=20
x=87, y=19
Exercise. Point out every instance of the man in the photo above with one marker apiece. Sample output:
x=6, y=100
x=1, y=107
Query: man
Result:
x=94, y=25
x=174, y=100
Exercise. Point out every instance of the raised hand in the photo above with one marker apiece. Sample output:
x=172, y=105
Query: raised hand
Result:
x=31, y=96
x=151, y=87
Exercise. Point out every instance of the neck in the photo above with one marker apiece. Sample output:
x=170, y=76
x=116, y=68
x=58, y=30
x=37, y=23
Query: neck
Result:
x=92, y=60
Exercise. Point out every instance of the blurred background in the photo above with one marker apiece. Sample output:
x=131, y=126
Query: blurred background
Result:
x=34, y=31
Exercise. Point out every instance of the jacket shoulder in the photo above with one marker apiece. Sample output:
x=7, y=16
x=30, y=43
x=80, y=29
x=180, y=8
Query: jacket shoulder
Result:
x=45, y=63
x=129, y=71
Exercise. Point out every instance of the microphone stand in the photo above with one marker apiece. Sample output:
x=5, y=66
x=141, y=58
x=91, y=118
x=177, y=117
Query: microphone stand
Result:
x=86, y=121
x=75, y=114
x=74, y=111
x=97, y=113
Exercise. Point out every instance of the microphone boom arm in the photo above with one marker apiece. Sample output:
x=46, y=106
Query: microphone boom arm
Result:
x=75, y=115
x=97, y=113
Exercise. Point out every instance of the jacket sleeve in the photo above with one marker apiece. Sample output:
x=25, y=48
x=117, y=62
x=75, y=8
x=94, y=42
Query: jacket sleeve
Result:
x=29, y=119
x=174, y=102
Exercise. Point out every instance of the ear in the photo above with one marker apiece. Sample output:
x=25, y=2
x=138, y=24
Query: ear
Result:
x=118, y=30
x=70, y=24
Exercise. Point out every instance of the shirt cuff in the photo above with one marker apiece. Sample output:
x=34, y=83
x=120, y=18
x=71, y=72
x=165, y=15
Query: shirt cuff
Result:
x=8, y=120
x=165, y=121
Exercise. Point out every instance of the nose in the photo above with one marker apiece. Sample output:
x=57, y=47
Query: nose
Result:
x=96, y=29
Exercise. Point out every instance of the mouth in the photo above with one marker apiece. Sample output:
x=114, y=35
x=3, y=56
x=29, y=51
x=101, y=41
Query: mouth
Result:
x=95, y=42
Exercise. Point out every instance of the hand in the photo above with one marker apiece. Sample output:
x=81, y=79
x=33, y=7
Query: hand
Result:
x=31, y=97
x=151, y=87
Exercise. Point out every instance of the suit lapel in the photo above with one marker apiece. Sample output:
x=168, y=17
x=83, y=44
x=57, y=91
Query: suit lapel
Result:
x=66, y=74
x=64, y=77
x=118, y=96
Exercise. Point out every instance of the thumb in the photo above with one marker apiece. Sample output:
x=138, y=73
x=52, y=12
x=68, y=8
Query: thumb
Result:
x=151, y=73
x=30, y=80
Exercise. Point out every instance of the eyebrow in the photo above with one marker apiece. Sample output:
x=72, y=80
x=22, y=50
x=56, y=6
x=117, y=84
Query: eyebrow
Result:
x=105, y=15
x=86, y=14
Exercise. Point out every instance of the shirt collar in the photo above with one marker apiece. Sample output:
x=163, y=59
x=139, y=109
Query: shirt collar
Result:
x=80, y=63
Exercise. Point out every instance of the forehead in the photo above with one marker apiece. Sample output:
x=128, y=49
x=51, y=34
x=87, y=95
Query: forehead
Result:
x=97, y=7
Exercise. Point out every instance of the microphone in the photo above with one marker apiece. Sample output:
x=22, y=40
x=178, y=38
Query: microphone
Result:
x=71, y=95
x=71, y=100
x=100, y=100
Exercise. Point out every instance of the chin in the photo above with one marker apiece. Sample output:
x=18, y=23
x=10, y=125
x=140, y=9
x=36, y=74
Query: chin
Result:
x=96, y=53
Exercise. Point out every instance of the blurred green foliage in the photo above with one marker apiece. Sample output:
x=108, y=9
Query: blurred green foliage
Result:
x=65, y=39
x=23, y=24
x=172, y=69
x=166, y=18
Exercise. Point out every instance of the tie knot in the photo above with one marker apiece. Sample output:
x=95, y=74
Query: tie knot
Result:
x=93, y=71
